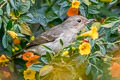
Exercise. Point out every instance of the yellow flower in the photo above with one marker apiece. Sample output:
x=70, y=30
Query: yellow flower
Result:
x=29, y=74
x=85, y=48
x=73, y=48
x=16, y=48
x=13, y=50
x=93, y=33
x=23, y=1
x=65, y=53
x=106, y=0
x=13, y=15
x=80, y=78
x=12, y=34
x=32, y=38
x=3, y=59
x=75, y=4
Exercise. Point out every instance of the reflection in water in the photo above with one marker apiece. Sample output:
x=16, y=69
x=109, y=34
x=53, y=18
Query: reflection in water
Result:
x=5, y=74
x=66, y=69
x=115, y=68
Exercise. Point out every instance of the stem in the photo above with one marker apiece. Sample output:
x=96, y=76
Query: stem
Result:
x=110, y=43
x=18, y=53
x=95, y=66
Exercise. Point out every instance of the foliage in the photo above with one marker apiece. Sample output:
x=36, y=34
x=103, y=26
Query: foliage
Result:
x=21, y=20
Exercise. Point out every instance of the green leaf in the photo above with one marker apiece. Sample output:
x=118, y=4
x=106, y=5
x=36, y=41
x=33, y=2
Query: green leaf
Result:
x=95, y=75
x=102, y=49
x=111, y=19
x=33, y=1
x=35, y=18
x=94, y=1
x=23, y=7
x=8, y=8
x=17, y=13
x=97, y=24
x=61, y=42
x=45, y=70
x=0, y=22
x=87, y=2
x=20, y=35
x=62, y=12
x=92, y=42
x=5, y=41
x=83, y=10
x=1, y=11
x=63, y=9
x=9, y=50
x=88, y=69
x=50, y=15
x=107, y=12
x=1, y=1
x=16, y=28
x=9, y=25
x=79, y=37
x=1, y=48
x=36, y=67
x=47, y=48
x=109, y=25
x=93, y=10
x=56, y=8
x=37, y=76
x=48, y=56
x=44, y=60
x=20, y=61
x=115, y=27
x=13, y=4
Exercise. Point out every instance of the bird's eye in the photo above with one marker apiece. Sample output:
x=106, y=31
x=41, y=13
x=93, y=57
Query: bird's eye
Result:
x=79, y=20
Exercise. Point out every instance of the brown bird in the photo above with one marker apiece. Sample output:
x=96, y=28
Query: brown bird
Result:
x=67, y=32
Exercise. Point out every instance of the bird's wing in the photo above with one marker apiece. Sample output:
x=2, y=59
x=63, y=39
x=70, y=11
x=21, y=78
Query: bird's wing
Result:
x=41, y=40
x=48, y=36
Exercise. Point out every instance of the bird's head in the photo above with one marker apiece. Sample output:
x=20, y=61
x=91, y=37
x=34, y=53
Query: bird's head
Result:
x=76, y=22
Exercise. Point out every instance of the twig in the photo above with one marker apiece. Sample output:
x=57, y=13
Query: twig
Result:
x=3, y=4
x=110, y=43
x=18, y=53
x=21, y=51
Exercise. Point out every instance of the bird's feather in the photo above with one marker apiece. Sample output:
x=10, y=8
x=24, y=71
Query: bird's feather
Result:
x=67, y=31
x=48, y=36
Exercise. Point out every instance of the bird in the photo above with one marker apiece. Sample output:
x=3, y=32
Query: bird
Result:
x=66, y=32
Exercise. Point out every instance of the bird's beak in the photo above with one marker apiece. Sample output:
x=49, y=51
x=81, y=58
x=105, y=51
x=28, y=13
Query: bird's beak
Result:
x=89, y=21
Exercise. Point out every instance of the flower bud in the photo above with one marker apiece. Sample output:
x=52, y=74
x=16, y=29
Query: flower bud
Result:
x=12, y=34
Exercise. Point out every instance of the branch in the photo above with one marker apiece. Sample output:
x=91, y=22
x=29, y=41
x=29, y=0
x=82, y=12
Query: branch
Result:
x=3, y=4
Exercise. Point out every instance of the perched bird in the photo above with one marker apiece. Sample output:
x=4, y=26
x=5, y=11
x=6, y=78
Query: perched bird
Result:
x=67, y=32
